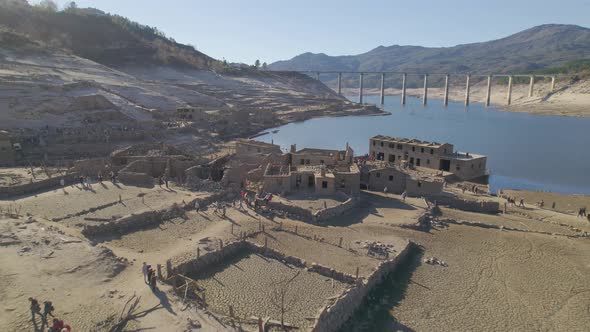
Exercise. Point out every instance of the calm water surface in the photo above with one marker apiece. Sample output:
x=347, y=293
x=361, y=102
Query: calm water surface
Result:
x=525, y=151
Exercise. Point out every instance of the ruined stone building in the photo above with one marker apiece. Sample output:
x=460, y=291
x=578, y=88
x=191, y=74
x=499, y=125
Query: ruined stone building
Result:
x=379, y=175
x=321, y=171
x=439, y=156
x=246, y=147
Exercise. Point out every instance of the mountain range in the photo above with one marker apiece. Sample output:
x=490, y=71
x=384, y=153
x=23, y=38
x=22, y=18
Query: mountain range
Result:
x=536, y=48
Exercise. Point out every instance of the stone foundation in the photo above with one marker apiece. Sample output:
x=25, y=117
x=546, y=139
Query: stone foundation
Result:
x=148, y=219
x=43, y=185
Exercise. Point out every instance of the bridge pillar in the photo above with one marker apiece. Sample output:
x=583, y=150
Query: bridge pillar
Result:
x=531, y=85
x=467, y=87
x=404, y=75
x=552, y=83
x=339, y=83
x=509, y=96
x=382, y=88
x=361, y=88
x=446, y=96
x=425, y=95
x=489, y=90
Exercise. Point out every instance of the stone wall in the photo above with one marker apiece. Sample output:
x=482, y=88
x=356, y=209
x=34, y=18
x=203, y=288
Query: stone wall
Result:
x=148, y=219
x=418, y=187
x=136, y=179
x=295, y=212
x=335, y=211
x=29, y=188
x=331, y=317
x=466, y=205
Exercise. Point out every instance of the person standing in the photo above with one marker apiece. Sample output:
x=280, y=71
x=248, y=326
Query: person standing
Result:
x=197, y=205
x=35, y=308
x=144, y=270
x=153, y=281
x=404, y=195
x=47, y=310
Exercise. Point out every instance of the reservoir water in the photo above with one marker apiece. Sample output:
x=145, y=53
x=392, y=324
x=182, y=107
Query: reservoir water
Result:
x=525, y=151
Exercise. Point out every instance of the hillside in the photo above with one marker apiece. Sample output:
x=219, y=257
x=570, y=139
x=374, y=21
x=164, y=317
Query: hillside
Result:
x=536, y=48
x=104, y=38
x=79, y=82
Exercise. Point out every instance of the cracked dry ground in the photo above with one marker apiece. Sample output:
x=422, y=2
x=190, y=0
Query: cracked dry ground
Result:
x=496, y=281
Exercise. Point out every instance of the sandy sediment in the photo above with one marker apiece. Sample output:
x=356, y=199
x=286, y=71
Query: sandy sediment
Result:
x=248, y=283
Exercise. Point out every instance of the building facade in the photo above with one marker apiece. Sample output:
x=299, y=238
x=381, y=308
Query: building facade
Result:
x=321, y=171
x=440, y=156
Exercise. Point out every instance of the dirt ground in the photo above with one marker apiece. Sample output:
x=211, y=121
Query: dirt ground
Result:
x=495, y=280
x=249, y=284
x=563, y=203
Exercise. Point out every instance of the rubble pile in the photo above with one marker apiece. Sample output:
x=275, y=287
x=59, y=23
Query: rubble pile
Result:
x=435, y=261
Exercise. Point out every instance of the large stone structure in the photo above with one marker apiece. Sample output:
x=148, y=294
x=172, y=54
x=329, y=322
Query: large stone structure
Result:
x=320, y=171
x=440, y=156
x=380, y=175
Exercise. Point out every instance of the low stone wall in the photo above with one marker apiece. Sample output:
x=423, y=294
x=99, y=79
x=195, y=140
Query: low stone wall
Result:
x=148, y=219
x=294, y=212
x=132, y=222
x=136, y=179
x=208, y=259
x=29, y=188
x=466, y=205
x=331, y=317
x=335, y=211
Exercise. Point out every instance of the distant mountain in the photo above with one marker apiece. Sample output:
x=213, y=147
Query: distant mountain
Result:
x=536, y=48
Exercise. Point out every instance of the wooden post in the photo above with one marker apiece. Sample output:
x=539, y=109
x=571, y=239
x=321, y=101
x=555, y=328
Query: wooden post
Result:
x=198, y=252
x=265, y=242
x=231, y=311
x=220, y=244
x=295, y=229
x=260, y=326
x=232, y=229
x=168, y=268
x=262, y=228
x=340, y=243
x=159, y=271
x=357, y=272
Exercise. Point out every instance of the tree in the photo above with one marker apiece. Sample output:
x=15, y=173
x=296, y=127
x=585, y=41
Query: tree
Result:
x=257, y=64
x=72, y=6
x=282, y=297
x=264, y=66
x=49, y=5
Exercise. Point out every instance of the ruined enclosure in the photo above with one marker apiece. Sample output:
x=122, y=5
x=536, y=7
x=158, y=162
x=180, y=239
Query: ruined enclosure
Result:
x=244, y=280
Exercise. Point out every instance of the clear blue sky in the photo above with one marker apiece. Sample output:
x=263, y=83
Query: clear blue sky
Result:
x=271, y=30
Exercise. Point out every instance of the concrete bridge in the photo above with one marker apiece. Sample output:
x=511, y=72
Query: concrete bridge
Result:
x=404, y=76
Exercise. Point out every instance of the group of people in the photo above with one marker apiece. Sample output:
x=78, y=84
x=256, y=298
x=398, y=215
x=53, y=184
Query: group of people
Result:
x=474, y=189
x=149, y=275
x=57, y=325
x=512, y=202
x=582, y=212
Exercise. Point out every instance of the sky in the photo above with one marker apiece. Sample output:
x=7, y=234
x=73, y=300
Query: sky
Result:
x=272, y=30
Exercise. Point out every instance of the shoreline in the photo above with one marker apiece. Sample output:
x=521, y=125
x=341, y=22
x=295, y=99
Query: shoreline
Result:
x=571, y=100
